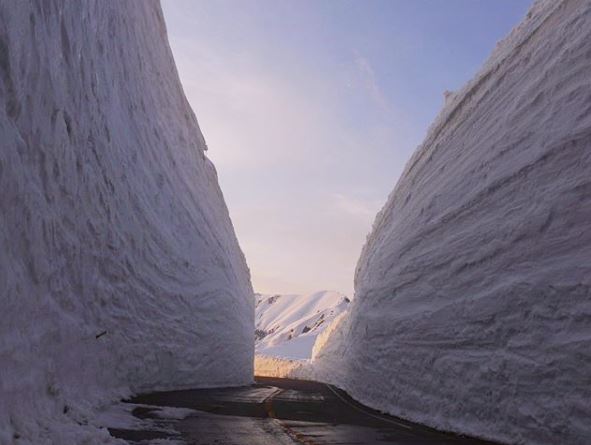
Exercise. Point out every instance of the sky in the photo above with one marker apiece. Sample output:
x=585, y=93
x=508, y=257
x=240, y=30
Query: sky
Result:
x=310, y=110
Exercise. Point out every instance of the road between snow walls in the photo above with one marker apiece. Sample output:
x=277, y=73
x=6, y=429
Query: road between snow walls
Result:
x=120, y=270
x=119, y=262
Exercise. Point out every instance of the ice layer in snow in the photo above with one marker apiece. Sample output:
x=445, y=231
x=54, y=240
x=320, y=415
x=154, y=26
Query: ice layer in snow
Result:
x=472, y=309
x=287, y=325
x=119, y=267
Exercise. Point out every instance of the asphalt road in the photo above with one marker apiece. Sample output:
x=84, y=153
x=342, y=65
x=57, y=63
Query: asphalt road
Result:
x=277, y=412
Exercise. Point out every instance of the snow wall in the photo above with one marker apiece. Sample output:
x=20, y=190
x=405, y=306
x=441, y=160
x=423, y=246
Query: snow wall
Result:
x=119, y=267
x=472, y=310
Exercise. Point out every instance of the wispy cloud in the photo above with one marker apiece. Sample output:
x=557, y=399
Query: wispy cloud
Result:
x=368, y=78
x=362, y=208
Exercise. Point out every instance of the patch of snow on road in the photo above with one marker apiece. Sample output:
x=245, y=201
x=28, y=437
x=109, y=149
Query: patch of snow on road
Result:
x=169, y=412
x=120, y=415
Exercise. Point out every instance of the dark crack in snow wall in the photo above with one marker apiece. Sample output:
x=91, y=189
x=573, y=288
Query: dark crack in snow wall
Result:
x=472, y=310
x=119, y=266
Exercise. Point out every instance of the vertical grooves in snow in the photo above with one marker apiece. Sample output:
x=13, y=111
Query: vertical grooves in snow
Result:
x=111, y=220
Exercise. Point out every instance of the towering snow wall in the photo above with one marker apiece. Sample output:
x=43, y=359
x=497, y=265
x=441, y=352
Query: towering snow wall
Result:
x=472, y=310
x=119, y=267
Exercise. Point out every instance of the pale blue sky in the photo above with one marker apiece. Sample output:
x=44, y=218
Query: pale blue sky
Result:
x=311, y=108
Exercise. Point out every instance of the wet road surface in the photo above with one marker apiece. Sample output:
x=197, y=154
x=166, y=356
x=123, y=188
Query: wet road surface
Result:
x=277, y=412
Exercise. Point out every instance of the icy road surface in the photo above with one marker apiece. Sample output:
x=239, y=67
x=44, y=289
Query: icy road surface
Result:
x=278, y=411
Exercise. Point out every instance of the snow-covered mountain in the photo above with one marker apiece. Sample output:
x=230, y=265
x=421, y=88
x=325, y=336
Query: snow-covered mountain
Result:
x=287, y=325
x=118, y=259
x=472, y=307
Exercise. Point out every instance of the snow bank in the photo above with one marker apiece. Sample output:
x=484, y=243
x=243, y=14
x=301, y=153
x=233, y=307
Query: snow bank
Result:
x=287, y=325
x=269, y=366
x=472, y=310
x=120, y=270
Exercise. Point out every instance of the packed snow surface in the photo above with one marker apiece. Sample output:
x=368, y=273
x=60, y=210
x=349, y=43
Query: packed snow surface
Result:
x=287, y=325
x=472, y=309
x=120, y=270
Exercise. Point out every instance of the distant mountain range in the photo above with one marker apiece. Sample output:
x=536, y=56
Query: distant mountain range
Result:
x=287, y=325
